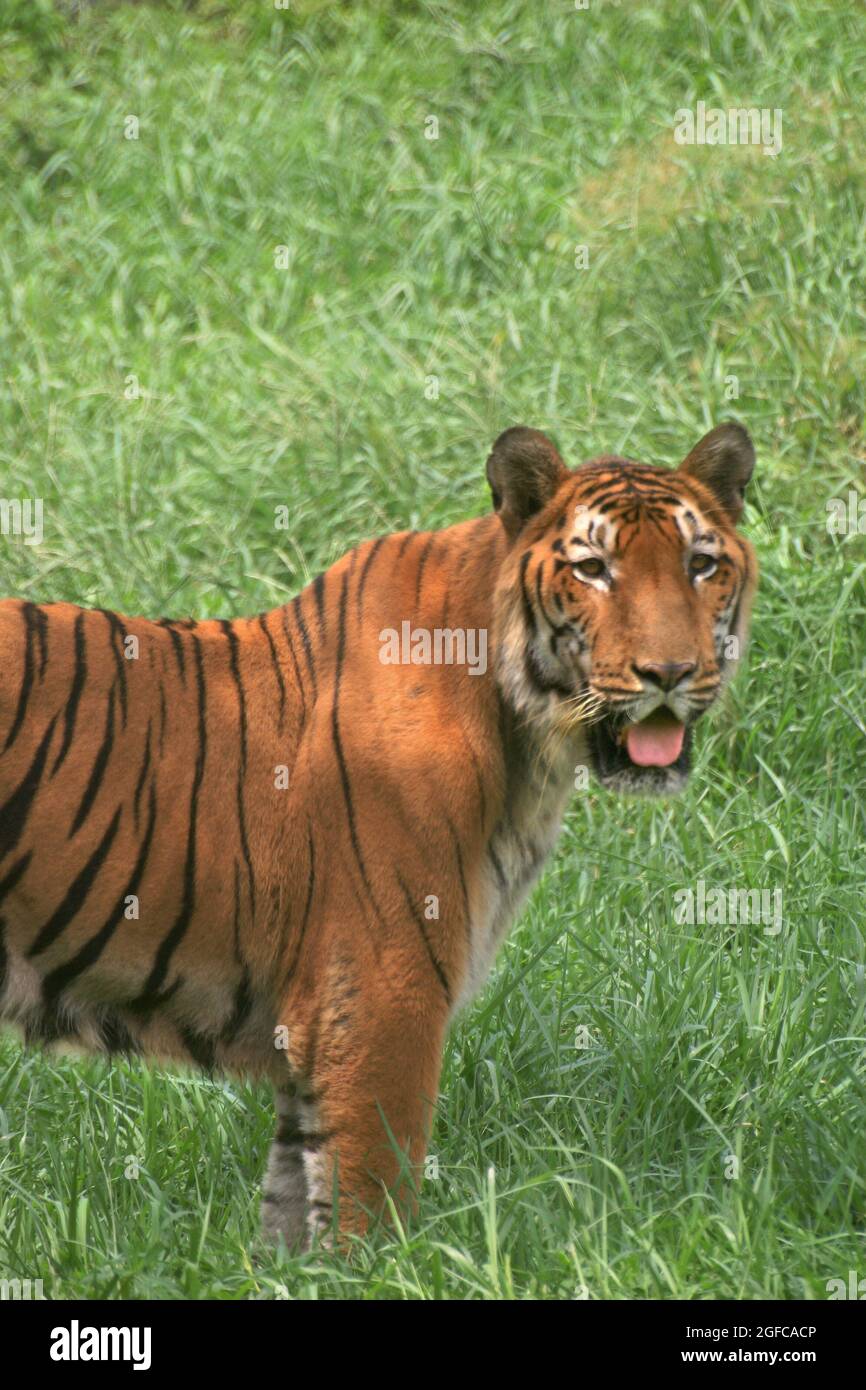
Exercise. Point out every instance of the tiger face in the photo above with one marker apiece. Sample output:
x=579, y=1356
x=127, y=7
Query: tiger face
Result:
x=625, y=600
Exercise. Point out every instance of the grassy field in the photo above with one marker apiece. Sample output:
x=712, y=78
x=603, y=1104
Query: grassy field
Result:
x=170, y=376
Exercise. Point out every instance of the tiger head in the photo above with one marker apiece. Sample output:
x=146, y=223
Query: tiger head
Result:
x=623, y=601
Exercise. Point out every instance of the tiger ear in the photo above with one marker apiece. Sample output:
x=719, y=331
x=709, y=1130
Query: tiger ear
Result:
x=723, y=461
x=524, y=470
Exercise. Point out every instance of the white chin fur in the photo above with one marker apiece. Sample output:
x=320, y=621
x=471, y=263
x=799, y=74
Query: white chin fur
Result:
x=649, y=781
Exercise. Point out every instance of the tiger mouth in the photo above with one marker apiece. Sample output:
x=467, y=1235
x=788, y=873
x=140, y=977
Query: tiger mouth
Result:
x=638, y=756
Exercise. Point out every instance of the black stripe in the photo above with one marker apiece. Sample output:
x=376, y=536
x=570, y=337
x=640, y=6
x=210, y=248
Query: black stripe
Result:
x=234, y=666
x=338, y=747
x=311, y=878
x=284, y=618
x=311, y=885
x=14, y=813
x=78, y=679
x=536, y=677
x=241, y=1010
x=145, y=764
x=15, y=874
x=365, y=569
x=145, y=1004
x=117, y=638
x=422, y=560
x=458, y=854
x=409, y=536
x=305, y=638
x=557, y=629
x=278, y=670
x=27, y=612
x=319, y=593
x=98, y=770
x=482, y=795
x=163, y=711
x=76, y=894
x=236, y=677
x=177, y=644
x=236, y=919
x=497, y=866
x=41, y=618
x=116, y=1037
x=200, y=1047
x=419, y=922
x=289, y=1132
x=151, y=995
x=90, y=952
x=528, y=614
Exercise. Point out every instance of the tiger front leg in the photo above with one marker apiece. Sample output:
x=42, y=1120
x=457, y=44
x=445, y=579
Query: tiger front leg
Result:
x=374, y=1084
x=284, y=1196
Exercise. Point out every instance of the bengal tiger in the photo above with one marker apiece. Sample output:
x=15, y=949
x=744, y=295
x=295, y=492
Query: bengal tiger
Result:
x=267, y=845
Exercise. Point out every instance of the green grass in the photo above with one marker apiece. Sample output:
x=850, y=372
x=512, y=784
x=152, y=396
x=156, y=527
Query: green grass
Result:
x=562, y=1170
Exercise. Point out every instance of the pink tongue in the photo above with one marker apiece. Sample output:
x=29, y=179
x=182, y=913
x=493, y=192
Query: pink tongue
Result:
x=656, y=741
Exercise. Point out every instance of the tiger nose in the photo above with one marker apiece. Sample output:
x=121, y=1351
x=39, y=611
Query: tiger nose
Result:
x=665, y=674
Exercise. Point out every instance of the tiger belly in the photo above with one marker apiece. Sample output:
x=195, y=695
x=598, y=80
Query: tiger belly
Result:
x=211, y=1023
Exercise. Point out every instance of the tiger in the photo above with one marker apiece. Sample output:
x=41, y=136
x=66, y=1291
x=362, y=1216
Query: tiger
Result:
x=281, y=848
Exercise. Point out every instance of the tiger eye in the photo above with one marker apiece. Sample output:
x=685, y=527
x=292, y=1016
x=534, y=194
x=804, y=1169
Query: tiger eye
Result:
x=591, y=568
x=701, y=563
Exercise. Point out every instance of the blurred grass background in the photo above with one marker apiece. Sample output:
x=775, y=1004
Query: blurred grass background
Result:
x=283, y=293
